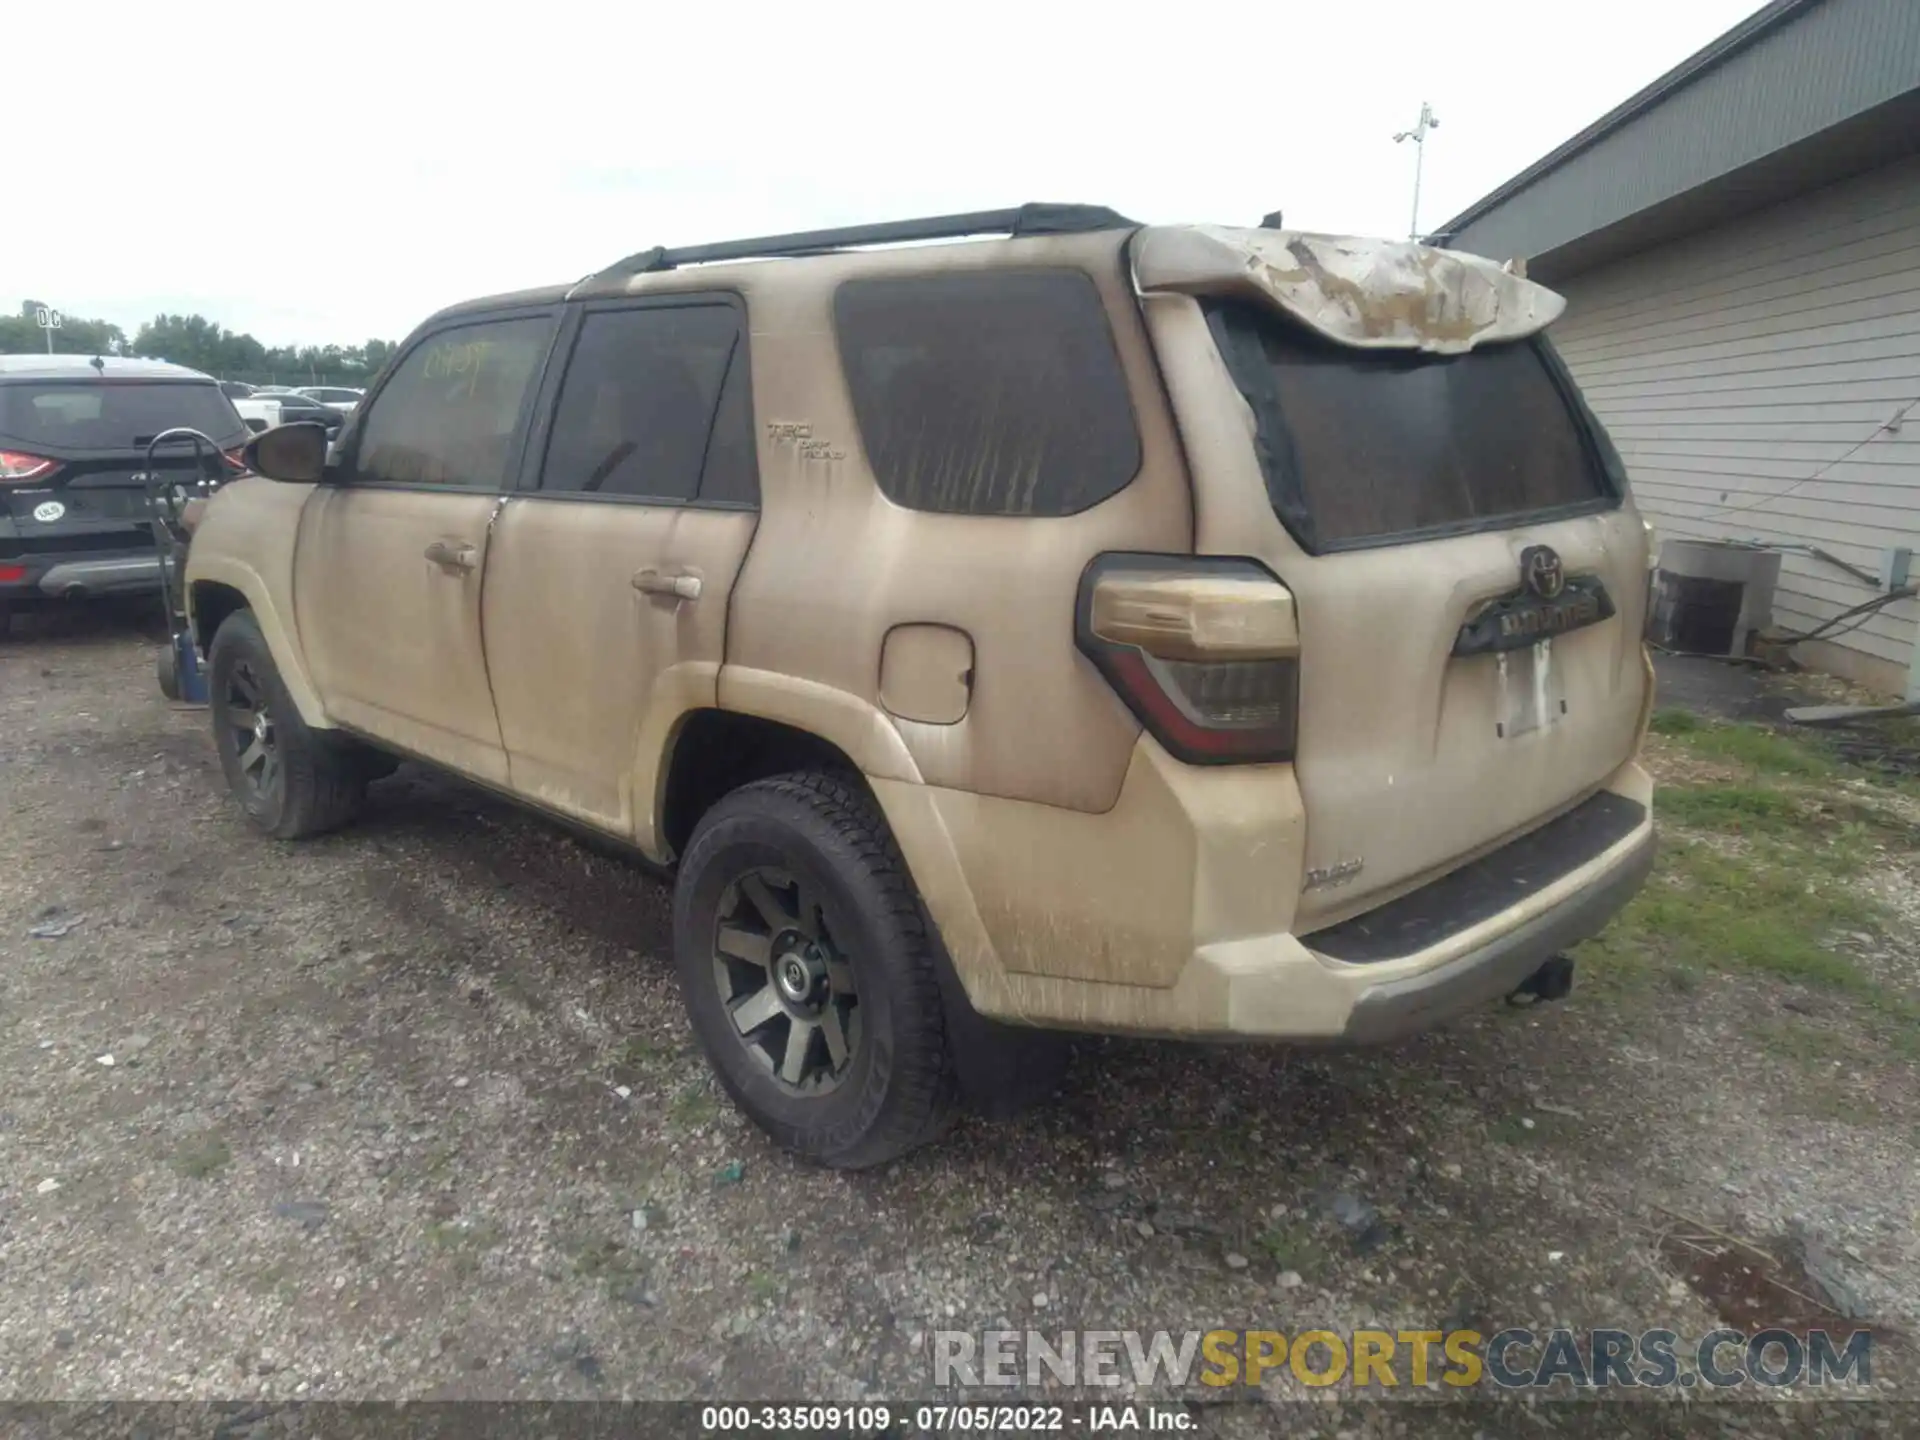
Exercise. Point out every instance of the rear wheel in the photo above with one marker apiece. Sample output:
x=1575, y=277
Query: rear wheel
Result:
x=292, y=781
x=808, y=971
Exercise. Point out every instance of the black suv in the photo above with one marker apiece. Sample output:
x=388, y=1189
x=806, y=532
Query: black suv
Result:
x=73, y=468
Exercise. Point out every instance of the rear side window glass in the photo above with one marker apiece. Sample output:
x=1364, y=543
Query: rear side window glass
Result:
x=1364, y=447
x=112, y=414
x=651, y=403
x=989, y=394
x=452, y=411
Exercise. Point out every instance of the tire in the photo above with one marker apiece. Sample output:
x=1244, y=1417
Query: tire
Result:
x=167, y=670
x=857, y=920
x=302, y=782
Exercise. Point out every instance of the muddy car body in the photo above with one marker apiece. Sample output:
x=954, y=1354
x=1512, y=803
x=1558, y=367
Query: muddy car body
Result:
x=1176, y=630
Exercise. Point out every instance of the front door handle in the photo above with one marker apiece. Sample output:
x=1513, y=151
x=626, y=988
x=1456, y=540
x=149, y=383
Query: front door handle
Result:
x=679, y=587
x=453, y=559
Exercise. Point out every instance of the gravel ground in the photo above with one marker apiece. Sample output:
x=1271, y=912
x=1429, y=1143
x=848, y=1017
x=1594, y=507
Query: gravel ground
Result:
x=413, y=1112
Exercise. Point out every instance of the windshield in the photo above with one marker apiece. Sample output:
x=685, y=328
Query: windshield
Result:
x=112, y=414
x=1366, y=447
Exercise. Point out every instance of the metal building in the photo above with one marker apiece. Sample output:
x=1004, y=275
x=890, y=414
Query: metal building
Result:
x=1739, y=245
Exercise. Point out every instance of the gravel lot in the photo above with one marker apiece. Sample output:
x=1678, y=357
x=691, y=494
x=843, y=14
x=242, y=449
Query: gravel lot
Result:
x=412, y=1111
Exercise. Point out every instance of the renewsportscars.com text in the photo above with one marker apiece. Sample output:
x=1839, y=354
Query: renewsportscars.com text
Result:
x=1512, y=1359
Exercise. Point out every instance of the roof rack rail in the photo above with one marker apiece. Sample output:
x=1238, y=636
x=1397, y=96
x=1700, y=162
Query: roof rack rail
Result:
x=1030, y=219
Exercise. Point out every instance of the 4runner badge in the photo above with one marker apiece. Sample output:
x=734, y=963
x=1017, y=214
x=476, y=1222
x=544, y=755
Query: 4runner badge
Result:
x=1549, y=602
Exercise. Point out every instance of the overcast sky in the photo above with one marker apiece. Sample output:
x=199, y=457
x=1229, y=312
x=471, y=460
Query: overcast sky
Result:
x=336, y=171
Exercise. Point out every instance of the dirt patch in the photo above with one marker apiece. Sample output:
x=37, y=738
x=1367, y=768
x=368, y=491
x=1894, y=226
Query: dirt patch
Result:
x=1772, y=1286
x=413, y=1112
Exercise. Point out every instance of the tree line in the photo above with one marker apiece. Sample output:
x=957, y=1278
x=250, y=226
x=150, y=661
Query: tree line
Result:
x=201, y=344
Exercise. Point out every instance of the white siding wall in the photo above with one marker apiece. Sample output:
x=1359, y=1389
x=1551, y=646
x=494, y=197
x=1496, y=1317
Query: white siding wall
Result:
x=1737, y=367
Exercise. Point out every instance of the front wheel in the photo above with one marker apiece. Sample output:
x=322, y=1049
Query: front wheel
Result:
x=292, y=781
x=808, y=972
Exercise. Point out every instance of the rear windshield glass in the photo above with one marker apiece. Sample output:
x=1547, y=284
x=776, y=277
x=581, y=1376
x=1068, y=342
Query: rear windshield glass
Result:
x=1368, y=446
x=112, y=414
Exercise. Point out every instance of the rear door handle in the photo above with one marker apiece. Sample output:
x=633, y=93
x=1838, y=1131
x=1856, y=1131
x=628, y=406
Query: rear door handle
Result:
x=679, y=587
x=453, y=559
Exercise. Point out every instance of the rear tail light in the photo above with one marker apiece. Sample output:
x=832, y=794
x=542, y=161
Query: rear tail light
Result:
x=12, y=574
x=237, y=458
x=1204, y=650
x=16, y=468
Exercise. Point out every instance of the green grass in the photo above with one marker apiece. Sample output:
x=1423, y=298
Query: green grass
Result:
x=202, y=1156
x=1762, y=751
x=693, y=1104
x=1771, y=902
x=1753, y=747
x=1675, y=722
x=452, y=1235
x=1293, y=1245
x=1509, y=1130
x=637, y=1052
x=1757, y=911
x=1736, y=808
x=464, y=1245
x=274, y=1281
x=602, y=1257
x=1808, y=1045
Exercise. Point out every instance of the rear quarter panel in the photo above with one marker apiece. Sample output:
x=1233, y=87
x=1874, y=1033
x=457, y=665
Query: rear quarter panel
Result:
x=836, y=565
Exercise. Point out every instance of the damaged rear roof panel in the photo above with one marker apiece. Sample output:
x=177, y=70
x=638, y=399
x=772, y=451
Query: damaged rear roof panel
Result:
x=1371, y=294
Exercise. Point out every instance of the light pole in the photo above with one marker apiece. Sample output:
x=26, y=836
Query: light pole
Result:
x=1418, y=135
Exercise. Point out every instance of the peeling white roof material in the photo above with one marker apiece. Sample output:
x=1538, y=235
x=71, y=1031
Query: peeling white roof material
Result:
x=1371, y=294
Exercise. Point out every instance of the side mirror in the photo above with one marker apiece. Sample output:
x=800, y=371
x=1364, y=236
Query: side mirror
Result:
x=296, y=453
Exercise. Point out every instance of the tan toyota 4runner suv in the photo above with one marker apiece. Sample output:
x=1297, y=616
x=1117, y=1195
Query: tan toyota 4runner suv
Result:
x=1173, y=630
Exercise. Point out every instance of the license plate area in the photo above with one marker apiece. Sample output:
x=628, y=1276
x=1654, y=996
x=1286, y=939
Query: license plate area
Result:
x=1531, y=691
x=70, y=505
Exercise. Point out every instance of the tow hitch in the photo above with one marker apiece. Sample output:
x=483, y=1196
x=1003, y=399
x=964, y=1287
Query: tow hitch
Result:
x=1552, y=981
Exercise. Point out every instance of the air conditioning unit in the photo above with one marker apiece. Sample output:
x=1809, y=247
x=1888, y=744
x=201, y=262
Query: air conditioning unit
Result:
x=1709, y=596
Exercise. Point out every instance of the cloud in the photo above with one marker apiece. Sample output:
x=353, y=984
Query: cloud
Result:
x=331, y=173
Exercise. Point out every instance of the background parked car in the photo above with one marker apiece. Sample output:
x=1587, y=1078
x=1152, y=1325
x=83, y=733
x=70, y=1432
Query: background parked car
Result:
x=260, y=411
x=338, y=397
x=294, y=405
x=74, y=432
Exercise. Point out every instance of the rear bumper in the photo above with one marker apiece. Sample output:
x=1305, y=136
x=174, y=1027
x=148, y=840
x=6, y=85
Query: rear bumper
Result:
x=63, y=577
x=1161, y=933
x=1494, y=969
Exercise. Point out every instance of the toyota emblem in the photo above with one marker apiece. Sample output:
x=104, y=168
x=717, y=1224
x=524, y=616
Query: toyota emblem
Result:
x=1541, y=572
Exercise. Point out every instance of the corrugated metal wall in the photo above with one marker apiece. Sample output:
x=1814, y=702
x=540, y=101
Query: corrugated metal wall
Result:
x=1746, y=374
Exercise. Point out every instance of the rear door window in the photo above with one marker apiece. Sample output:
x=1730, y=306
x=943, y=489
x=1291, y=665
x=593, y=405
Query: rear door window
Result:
x=654, y=406
x=453, y=411
x=988, y=394
x=1366, y=447
x=112, y=414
